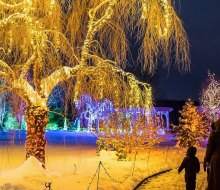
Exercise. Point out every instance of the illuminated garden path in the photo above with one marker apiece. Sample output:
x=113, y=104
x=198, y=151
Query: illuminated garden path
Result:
x=172, y=181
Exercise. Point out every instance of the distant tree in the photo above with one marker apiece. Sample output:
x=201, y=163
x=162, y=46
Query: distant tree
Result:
x=193, y=127
x=210, y=98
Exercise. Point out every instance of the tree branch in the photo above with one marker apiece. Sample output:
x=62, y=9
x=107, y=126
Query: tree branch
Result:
x=64, y=39
x=7, y=68
x=8, y=6
x=7, y=20
x=27, y=93
x=57, y=76
x=94, y=26
x=26, y=66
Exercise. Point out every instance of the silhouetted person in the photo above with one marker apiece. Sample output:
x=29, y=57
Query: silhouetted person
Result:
x=213, y=126
x=206, y=165
x=212, y=157
x=192, y=167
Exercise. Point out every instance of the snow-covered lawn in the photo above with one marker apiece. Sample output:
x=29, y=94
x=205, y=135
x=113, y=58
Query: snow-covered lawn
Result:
x=73, y=167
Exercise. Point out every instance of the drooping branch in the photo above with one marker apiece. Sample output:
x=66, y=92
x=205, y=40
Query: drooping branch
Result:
x=106, y=81
x=163, y=33
x=68, y=48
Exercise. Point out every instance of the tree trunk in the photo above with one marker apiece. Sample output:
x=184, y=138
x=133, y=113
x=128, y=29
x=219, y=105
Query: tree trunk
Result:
x=37, y=119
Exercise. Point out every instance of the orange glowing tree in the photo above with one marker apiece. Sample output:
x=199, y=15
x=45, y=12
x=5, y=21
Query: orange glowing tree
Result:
x=126, y=135
x=193, y=127
x=83, y=44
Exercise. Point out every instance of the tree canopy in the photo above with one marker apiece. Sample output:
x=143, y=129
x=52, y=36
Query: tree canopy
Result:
x=45, y=42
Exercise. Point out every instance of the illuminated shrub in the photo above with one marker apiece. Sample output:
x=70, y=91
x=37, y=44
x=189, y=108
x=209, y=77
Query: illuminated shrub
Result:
x=124, y=135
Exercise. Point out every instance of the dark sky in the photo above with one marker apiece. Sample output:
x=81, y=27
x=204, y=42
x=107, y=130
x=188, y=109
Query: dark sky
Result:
x=201, y=19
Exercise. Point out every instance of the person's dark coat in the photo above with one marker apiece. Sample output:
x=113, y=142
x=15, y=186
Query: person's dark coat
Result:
x=205, y=163
x=213, y=158
x=192, y=167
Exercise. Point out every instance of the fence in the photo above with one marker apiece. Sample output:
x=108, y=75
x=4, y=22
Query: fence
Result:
x=98, y=171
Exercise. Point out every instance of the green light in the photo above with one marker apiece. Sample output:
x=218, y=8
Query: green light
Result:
x=10, y=122
x=52, y=126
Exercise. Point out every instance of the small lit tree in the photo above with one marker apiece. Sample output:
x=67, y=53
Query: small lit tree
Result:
x=84, y=43
x=210, y=99
x=124, y=135
x=193, y=127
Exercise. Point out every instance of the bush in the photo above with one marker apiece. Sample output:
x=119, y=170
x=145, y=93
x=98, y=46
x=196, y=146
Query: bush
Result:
x=125, y=135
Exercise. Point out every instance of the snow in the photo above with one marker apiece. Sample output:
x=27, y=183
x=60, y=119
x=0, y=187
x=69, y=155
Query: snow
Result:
x=73, y=167
x=30, y=167
x=173, y=181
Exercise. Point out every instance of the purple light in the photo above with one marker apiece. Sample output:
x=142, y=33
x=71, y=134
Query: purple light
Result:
x=90, y=112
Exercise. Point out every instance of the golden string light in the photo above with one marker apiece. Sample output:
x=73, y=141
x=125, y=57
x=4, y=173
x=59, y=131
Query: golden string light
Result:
x=161, y=36
x=94, y=26
x=192, y=129
x=165, y=5
x=165, y=9
x=144, y=10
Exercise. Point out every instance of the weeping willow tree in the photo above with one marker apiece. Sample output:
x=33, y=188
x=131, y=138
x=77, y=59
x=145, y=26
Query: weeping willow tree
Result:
x=83, y=45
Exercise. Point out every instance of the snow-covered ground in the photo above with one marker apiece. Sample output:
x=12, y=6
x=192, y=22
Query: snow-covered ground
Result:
x=173, y=181
x=73, y=168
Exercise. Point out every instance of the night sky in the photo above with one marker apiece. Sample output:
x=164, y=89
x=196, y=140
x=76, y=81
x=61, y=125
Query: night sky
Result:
x=201, y=19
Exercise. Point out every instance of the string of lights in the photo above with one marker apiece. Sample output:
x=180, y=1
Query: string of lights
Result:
x=210, y=98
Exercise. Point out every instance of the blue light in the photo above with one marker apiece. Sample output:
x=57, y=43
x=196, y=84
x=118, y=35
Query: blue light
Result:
x=91, y=113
